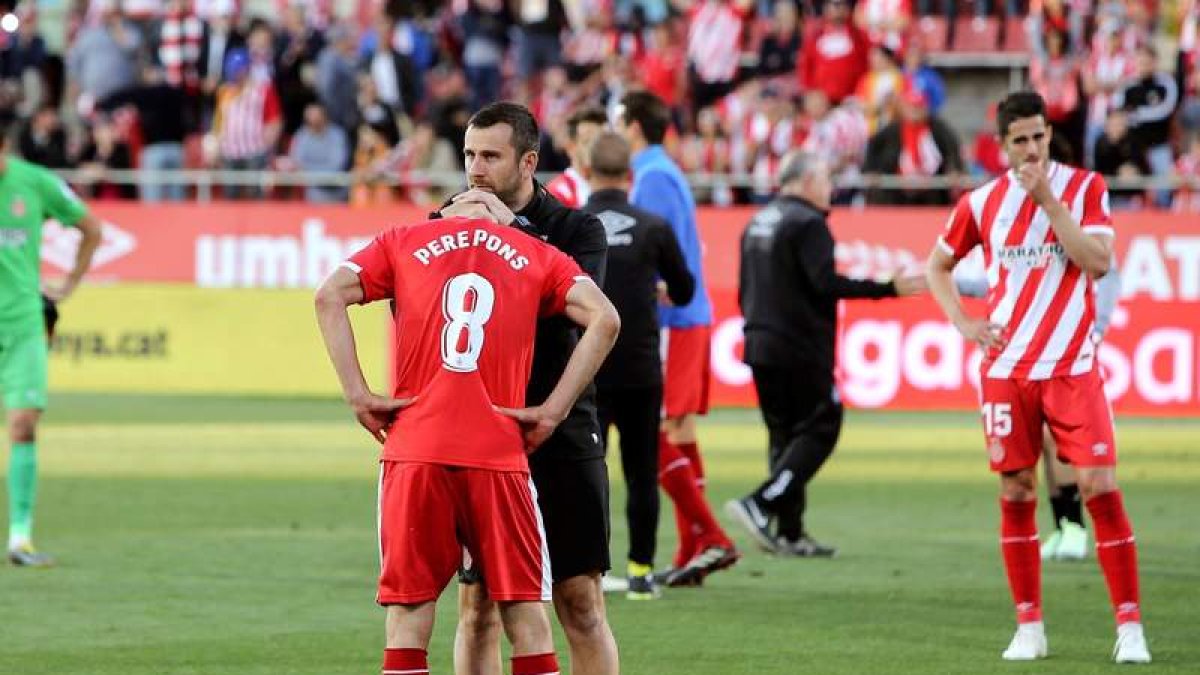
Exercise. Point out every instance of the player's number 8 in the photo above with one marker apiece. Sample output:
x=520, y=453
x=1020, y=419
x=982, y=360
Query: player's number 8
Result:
x=467, y=302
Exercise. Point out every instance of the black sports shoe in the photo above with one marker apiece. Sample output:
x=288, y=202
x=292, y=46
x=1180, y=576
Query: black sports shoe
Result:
x=711, y=559
x=642, y=588
x=745, y=512
x=804, y=547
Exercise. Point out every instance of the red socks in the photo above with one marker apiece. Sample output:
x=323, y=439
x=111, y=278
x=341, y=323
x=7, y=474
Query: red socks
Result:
x=697, y=526
x=692, y=452
x=1117, y=553
x=1022, y=557
x=405, y=662
x=535, y=664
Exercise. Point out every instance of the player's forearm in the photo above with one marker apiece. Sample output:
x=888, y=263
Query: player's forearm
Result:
x=1086, y=251
x=88, y=244
x=338, y=335
x=941, y=286
x=597, y=341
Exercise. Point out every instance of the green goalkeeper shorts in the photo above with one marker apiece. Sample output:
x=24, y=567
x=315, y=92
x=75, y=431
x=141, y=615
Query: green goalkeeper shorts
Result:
x=24, y=361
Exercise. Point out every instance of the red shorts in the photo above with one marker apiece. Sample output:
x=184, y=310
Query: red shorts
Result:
x=685, y=387
x=1074, y=408
x=428, y=513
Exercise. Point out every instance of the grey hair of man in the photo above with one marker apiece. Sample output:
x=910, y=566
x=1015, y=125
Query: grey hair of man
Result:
x=806, y=175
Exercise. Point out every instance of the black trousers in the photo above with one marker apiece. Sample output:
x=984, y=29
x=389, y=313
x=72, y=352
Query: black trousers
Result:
x=636, y=414
x=803, y=414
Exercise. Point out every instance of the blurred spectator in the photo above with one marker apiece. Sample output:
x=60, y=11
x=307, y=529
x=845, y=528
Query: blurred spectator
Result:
x=485, y=27
x=1106, y=70
x=1068, y=18
x=220, y=37
x=919, y=74
x=1189, y=37
x=320, y=146
x=178, y=39
x=260, y=43
x=374, y=111
x=424, y=152
x=164, y=120
x=448, y=109
x=570, y=187
x=371, y=187
x=296, y=49
x=1189, y=110
x=838, y=134
x=885, y=22
x=554, y=103
x=394, y=73
x=540, y=24
x=1118, y=155
x=1054, y=74
x=917, y=145
x=780, y=48
x=586, y=48
x=43, y=140
x=337, y=78
x=248, y=122
x=1187, y=170
x=663, y=67
x=103, y=59
x=25, y=49
x=708, y=152
x=103, y=152
x=878, y=88
x=1150, y=100
x=714, y=47
x=769, y=136
x=835, y=54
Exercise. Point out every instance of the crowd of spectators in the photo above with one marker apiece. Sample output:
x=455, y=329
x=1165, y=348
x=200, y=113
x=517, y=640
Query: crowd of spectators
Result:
x=198, y=83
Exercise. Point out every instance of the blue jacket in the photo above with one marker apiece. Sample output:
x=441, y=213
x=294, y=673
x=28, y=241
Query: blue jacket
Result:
x=660, y=187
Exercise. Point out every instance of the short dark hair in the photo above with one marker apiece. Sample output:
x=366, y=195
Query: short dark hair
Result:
x=591, y=114
x=649, y=111
x=609, y=155
x=1018, y=105
x=525, y=134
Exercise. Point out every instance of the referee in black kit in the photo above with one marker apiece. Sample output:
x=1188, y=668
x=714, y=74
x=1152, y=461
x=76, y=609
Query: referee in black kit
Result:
x=641, y=249
x=500, y=153
x=788, y=292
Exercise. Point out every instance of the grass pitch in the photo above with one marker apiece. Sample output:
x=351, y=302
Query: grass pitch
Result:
x=218, y=535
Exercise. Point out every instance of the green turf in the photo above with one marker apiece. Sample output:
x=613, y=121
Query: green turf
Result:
x=208, y=535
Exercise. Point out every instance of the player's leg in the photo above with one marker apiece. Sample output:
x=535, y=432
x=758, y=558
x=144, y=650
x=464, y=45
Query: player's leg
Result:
x=409, y=628
x=573, y=500
x=714, y=549
x=1081, y=420
x=637, y=420
x=1069, y=540
x=418, y=553
x=579, y=605
x=23, y=378
x=477, y=636
x=685, y=395
x=1012, y=424
x=528, y=630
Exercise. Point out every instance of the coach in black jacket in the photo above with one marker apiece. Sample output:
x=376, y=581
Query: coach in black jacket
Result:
x=789, y=290
x=641, y=249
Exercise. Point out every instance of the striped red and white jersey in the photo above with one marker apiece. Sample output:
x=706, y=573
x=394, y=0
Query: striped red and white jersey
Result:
x=715, y=40
x=570, y=188
x=243, y=114
x=1042, y=299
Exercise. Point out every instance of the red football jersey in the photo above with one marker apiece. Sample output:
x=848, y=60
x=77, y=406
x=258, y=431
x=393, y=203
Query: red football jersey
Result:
x=468, y=294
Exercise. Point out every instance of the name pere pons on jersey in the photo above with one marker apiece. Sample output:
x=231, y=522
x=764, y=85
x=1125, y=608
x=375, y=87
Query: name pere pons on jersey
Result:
x=468, y=239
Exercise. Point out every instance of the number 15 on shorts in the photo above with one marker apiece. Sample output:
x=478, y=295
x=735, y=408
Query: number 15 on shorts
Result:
x=997, y=419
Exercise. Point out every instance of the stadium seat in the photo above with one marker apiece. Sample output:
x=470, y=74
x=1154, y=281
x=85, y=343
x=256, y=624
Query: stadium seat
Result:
x=1016, y=36
x=931, y=31
x=976, y=34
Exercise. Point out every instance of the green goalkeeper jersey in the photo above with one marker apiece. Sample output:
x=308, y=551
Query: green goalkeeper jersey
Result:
x=29, y=195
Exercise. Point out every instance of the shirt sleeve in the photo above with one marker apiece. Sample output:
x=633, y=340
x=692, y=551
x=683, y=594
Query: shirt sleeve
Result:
x=962, y=232
x=562, y=274
x=1097, y=218
x=375, y=269
x=61, y=202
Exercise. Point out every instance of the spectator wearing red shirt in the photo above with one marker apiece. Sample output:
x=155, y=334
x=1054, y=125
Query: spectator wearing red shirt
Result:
x=1054, y=75
x=886, y=22
x=661, y=68
x=835, y=54
x=248, y=121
